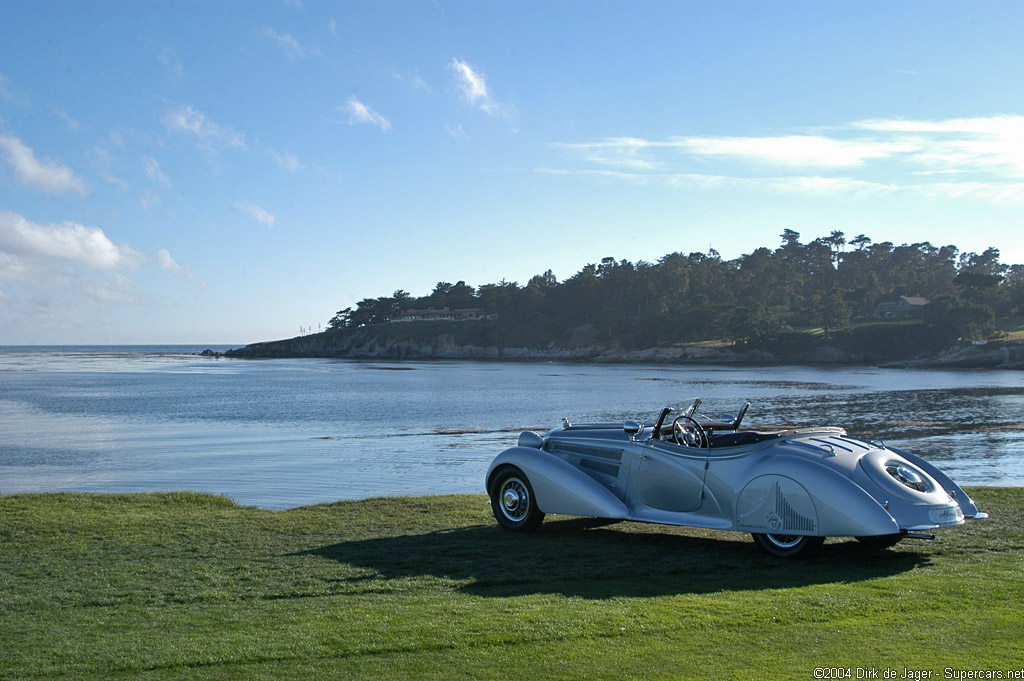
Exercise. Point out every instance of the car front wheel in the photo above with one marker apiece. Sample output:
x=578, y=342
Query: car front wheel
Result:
x=513, y=503
x=788, y=545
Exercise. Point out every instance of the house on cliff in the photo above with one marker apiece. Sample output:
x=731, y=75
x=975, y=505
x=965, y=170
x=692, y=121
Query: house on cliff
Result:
x=906, y=306
x=444, y=314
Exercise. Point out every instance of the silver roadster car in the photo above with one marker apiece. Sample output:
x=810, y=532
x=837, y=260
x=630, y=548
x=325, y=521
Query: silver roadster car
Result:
x=790, y=488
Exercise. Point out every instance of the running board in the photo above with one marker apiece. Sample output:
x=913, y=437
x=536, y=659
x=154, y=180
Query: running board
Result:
x=918, y=535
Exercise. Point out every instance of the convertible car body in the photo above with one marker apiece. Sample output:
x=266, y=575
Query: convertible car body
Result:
x=789, y=488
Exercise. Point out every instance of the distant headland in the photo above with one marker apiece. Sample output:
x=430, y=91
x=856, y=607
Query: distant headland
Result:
x=426, y=341
x=829, y=301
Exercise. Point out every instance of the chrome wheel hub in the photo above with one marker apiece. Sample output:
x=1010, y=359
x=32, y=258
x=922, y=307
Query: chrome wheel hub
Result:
x=515, y=500
x=784, y=541
x=511, y=500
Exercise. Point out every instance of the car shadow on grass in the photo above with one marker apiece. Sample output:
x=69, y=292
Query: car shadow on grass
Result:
x=594, y=559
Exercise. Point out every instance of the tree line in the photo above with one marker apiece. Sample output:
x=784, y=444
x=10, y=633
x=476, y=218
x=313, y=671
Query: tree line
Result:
x=827, y=284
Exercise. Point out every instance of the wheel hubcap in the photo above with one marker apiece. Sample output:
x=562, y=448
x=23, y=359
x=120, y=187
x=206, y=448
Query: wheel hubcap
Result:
x=511, y=500
x=515, y=500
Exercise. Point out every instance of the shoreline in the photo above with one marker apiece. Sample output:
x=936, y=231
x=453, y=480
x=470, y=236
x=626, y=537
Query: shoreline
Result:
x=227, y=500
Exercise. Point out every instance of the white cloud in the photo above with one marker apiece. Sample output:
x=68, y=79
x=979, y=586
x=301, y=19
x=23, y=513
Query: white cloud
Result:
x=8, y=93
x=457, y=132
x=262, y=215
x=1007, y=193
x=992, y=144
x=362, y=113
x=153, y=171
x=619, y=152
x=999, y=125
x=67, y=276
x=166, y=261
x=68, y=242
x=288, y=42
x=169, y=58
x=1011, y=193
x=289, y=162
x=104, y=161
x=979, y=158
x=149, y=198
x=291, y=46
x=413, y=79
x=419, y=84
x=68, y=120
x=793, y=150
x=798, y=184
x=473, y=84
x=189, y=121
x=52, y=177
x=11, y=267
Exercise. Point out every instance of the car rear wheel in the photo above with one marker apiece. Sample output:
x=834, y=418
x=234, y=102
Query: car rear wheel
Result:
x=513, y=503
x=788, y=545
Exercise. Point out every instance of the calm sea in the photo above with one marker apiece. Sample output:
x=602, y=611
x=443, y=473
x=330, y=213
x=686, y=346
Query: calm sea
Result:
x=283, y=433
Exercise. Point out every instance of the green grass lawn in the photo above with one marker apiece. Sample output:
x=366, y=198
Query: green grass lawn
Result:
x=192, y=586
x=858, y=323
x=1012, y=328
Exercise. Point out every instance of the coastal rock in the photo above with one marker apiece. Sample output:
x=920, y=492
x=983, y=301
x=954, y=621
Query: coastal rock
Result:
x=995, y=355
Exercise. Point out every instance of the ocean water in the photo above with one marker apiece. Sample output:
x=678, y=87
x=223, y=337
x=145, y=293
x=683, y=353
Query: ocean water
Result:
x=283, y=433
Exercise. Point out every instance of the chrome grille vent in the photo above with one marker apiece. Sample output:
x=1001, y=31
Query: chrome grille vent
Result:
x=585, y=450
x=601, y=467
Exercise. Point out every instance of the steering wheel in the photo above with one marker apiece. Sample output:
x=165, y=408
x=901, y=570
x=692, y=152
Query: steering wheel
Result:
x=688, y=433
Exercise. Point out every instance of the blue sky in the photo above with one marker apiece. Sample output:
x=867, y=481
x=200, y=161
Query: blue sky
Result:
x=228, y=172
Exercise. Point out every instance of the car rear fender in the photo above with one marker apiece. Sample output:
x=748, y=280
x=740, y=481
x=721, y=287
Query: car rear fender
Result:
x=804, y=497
x=967, y=504
x=558, y=487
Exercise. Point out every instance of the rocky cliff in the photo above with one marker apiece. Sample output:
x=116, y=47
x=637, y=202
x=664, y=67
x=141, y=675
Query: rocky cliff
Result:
x=477, y=342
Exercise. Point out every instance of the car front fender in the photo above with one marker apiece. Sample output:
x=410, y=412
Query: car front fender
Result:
x=557, y=486
x=835, y=505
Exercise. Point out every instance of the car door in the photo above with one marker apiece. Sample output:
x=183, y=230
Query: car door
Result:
x=668, y=477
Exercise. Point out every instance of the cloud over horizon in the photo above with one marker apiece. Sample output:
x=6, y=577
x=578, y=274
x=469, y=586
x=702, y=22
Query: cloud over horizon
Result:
x=73, y=243
x=67, y=273
x=981, y=158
